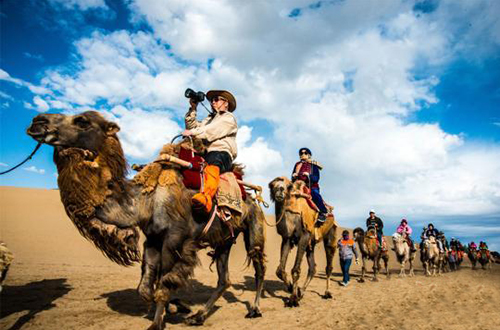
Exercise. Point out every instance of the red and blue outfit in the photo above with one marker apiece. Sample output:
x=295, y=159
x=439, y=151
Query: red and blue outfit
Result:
x=311, y=180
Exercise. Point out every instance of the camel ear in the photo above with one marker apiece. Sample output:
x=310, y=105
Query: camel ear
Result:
x=112, y=128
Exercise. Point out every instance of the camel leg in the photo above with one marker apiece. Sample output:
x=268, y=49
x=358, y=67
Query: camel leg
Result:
x=222, y=260
x=150, y=264
x=254, y=244
x=386, y=265
x=330, y=252
x=301, y=249
x=176, y=271
x=402, y=272
x=363, y=269
x=411, y=273
x=376, y=267
x=281, y=271
x=312, y=267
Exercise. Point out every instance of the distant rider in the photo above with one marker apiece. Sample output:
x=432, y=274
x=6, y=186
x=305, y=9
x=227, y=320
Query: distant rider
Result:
x=376, y=222
x=405, y=230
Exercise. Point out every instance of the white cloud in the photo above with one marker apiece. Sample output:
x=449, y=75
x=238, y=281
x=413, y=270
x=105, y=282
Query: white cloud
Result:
x=36, y=57
x=41, y=105
x=4, y=75
x=143, y=133
x=34, y=170
x=6, y=96
x=342, y=83
x=81, y=4
x=260, y=160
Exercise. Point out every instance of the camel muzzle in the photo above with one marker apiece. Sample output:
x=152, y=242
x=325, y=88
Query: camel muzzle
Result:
x=40, y=131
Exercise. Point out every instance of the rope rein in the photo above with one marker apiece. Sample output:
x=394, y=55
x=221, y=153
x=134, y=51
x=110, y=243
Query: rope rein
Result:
x=24, y=161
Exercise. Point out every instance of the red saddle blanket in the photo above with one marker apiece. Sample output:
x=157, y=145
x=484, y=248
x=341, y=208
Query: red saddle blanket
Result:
x=193, y=177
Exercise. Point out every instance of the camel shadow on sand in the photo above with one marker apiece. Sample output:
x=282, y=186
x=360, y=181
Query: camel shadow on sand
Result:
x=33, y=297
x=130, y=303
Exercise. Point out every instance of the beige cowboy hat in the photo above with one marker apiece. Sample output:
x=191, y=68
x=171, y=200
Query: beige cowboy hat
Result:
x=225, y=94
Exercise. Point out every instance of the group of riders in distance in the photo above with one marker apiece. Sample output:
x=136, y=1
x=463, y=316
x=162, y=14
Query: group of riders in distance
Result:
x=202, y=169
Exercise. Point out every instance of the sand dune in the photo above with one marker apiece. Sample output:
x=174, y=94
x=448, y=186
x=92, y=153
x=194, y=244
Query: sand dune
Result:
x=60, y=281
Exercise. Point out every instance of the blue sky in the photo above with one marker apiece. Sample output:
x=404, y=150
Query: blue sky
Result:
x=399, y=100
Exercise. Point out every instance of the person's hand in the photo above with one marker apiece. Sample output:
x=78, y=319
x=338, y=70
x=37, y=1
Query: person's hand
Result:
x=294, y=175
x=187, y=133
x=193, y=103
x=306, y=173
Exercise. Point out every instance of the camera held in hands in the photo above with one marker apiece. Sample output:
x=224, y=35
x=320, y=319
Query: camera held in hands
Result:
x=197, y=96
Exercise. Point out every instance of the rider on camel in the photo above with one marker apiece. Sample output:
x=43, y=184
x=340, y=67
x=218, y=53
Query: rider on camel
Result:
x=307, y=170
x=431, y=231
x=218, y=130
x=405, y=230
x=376, y=222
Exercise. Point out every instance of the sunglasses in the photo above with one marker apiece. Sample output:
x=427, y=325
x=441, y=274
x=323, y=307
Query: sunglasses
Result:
x=303, y=153
x=217, y=99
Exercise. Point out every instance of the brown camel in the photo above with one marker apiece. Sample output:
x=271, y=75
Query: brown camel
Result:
x=6, y=258
x=430, y=256
x=107, y=209
x=370, y=250
x=296, y=225
x=484, y=258
x=472, y=254
x=403, y=253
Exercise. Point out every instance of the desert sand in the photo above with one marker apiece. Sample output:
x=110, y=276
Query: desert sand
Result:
x=58, y=280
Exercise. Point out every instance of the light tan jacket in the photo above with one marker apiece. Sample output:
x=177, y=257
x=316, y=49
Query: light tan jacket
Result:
x=219, y=131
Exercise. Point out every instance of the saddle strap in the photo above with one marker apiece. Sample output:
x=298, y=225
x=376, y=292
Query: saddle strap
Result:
x=210, y=222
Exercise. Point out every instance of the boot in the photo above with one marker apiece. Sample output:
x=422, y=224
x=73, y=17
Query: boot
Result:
x=203, y=199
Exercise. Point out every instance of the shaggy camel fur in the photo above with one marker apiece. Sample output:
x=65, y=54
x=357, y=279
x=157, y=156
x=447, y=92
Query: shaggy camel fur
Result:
x=403, y=253
x=430, y=256
x=295, y=223
x=107, y=209
x=370, y=250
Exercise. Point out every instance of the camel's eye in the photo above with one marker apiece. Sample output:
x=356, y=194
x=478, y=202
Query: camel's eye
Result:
x=81, y=122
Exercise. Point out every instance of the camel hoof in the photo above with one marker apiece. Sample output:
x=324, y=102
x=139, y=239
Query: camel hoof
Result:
x=196, y=319
x=293, y=301
x=254, y=313
x=374, y=279
x=327, y=295
x=156, y=327
x=361, y=280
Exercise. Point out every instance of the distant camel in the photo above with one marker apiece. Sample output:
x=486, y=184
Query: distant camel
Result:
x=403, y=253
x=430, y=256
x=370, y=250
x=484, y=259
x=295, y=223
x=472, y=254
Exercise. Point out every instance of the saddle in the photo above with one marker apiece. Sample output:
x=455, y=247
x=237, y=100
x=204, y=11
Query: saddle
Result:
x=230, y=194
x=372, y=233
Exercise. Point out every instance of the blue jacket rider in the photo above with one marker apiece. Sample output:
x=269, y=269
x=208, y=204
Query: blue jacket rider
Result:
x=307, y=170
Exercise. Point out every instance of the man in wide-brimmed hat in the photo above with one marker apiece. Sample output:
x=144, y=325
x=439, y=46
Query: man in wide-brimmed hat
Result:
x=219, y=131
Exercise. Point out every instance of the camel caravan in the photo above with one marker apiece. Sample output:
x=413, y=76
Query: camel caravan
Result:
x=194, y=196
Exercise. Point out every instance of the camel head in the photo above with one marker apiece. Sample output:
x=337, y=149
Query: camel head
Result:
x=92, y=168
x=358, y=232
x=279, y=189
x=87, y=131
